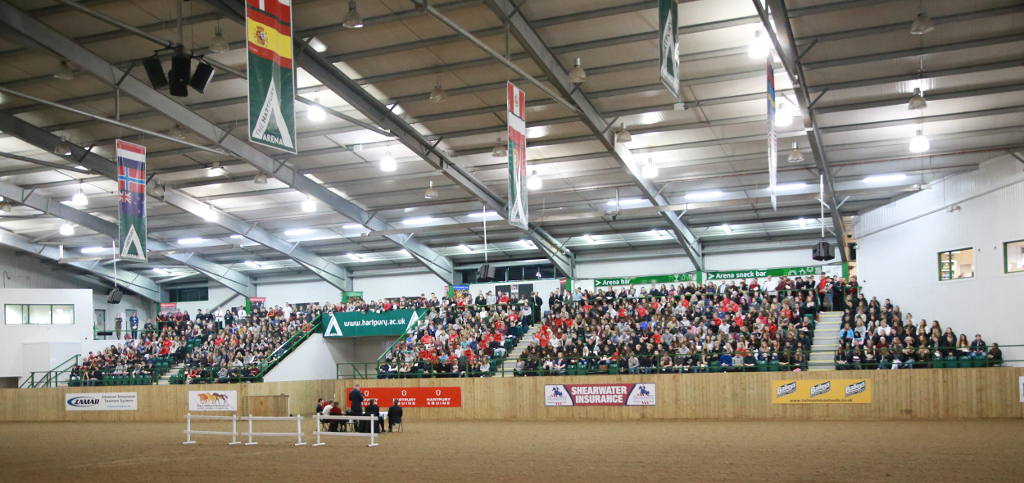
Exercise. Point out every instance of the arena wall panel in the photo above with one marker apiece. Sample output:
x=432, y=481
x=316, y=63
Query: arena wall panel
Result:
x=897, y=395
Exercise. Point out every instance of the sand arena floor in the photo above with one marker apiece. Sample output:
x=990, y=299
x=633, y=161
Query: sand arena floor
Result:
x=933, y=451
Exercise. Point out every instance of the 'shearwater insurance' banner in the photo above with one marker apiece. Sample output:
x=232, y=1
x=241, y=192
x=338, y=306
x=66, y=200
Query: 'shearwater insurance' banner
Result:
x=773, y=142
x=518, y=209
x=271, y=74
x=822, y=391
x=131, y=205
x=600, y=395
x=370, y=324
x=668, y=59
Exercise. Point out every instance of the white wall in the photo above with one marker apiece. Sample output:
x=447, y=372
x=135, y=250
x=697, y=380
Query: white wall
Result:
x=13, y=338
x=317, y=358
x=899, y=245
x=414, y=285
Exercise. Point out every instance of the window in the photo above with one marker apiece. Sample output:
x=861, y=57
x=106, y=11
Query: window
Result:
x=39, y=314
x=201, y=294
x=956, y=264
x=1013, y=255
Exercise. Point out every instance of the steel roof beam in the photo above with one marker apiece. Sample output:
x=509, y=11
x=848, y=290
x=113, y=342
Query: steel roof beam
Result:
x=111, y=75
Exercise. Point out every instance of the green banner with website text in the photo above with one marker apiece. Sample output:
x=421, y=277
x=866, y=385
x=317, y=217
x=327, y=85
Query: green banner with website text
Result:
x=370, y=324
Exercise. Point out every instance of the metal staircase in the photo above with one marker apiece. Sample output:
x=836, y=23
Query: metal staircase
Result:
x=826, y=341
x=508, y=368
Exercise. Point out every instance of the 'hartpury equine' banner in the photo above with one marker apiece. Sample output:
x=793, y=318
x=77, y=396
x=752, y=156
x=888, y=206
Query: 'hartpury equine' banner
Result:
x=101, y=401
x=213, y=400
x=412, y=397
x=599, y=395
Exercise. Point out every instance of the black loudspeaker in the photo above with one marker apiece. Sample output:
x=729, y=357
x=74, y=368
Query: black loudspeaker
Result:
x=853, y=252
x=485, y=273
x=104, y=333
x=155, y=72
x=201, y=77
x=823, y=251
x=179, y=75
x=114, y=297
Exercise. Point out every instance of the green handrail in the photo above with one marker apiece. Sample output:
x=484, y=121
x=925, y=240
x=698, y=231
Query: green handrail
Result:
x=51, y=376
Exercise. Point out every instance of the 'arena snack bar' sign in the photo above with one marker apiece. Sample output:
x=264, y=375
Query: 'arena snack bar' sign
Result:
x=370, y=324
x=600, y=395
x=822, y=391
x=101, y=401
x=768, y=272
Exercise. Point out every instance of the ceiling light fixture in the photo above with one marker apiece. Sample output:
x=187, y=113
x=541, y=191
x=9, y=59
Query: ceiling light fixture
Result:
x=67, y=229
x=423, y=220
x=803, y=222
x=629, y=201
x=93, y=250
x=177, y=132
x=500, y=149
x=318, y=45
x=759, y=46
x=885, y=178
x=308, y=205
x=387, y=163
x=623, y=136
x=727, y=229
x=209, y=214
x=260, y=179
x=215, y=170
x=253, y=264
x=314, y=112
x=438, y=94
x=6, y=207
x=650, y=170
x=431, y=192
x=236, y=236
x=920, y=143
x=917, y=101
x=190, y=241
x=158, y=190
x=590, y=239
x=62, y=148
x=795, y=156
x=577, y=75
x=783, y=115
x=219, y=43
x=478, y=214
x=534, y=183
x=80, y=199
x=922, y=24
x=351, y=226
x=704, y=195
x=527, y=243
x=162, y=271
x=64, y=72
x=354, y=256
x=352, y=19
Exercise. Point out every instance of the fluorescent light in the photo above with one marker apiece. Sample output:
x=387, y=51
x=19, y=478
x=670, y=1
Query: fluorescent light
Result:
x=354, y=256
x=162, y=271
x=660, y=234
x=534, y=183
x=253, y=264
x=783, y=115
x=727, y=228
x=351, y=226
x=308, y=205
x=236, y=236
x=704, y=195
x=803, y=222
x=759, y=46
x=790, y=186
x=650, y=170
x=590, y=239
x=527, y=243
x=629, y=201
x=466, y=249
x=423, y=220
x=67, y=229
x=317, y=45
x=480, y=214
x=920, y=143
x=190, y=241
x=388, y=163
x=885, y=178
x=92, y=250
x=208, y=214
x=315, y=113
x=298, y=232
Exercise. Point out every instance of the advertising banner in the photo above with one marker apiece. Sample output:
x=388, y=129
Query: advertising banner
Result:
x=822, y=391
x=600, y=395
x=131, y=206
x=370, y=324
x=656, y=279
x=773, y=142
x=213, y=400
x=412, y=397
x=168, y=308
x=101, y=401
x=518, y=209
x=351, y=296
x=668, y=58
x=271, y=74
x=768, y=272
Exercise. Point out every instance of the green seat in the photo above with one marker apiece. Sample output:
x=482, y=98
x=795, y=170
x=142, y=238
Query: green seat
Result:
x=965, y=361
x=773, y=366
x=978, y=361
x=762, y=366
x=715, y=366
x=938, y=363
x=613, y=369
x=951, y=362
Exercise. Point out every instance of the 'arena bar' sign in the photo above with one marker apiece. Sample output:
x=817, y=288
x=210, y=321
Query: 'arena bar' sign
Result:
x=600, y=395
x=413, y=397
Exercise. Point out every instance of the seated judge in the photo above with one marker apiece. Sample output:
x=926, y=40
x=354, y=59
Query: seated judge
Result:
x=374, y=410
x=394, y=415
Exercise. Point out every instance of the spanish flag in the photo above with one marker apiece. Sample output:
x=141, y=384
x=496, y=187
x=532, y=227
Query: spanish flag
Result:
x=270, y=30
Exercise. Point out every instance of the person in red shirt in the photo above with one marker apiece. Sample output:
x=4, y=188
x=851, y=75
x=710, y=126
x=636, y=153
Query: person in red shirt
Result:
x=503, y=299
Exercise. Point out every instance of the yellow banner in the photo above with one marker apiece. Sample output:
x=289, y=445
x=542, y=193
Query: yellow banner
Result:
x=822, y=391
x=266, y=37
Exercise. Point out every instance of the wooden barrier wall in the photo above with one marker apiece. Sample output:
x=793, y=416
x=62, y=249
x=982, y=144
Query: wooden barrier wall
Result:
x=904, y=394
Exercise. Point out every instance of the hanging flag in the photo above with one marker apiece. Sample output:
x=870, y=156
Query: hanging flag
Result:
x=668, y=22
x=773, y=142
x=131, y=206
x=518, y=209
x=271, y=74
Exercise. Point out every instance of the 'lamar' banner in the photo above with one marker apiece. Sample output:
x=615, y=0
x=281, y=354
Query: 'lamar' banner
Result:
x=131, y=207
x=668, y=59
x=600, y=395
x=518, y=209
x=412, y=397
x=101, y=401
x=271, y=74
x=675, y=278
x=213, y=400
x=358, y=324
x=822, y=391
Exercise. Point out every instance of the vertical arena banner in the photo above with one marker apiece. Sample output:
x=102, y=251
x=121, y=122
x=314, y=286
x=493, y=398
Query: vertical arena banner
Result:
x=773, y=142
x=131, y=206
x=822, y=391
x=518, y=210
x=668, y=59
x=600, y=395
x=213, y=400
x=271, y=74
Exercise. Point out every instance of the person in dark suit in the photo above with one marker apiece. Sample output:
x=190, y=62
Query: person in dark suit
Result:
x=355, y=399
x=394, y=415
x=319, y=405
x=373, y=409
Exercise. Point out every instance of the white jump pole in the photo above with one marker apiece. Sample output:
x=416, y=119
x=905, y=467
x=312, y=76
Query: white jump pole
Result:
x=188, y=429
x=234, y=430
x=298, y=421
x=251, y=442
x=373, y=426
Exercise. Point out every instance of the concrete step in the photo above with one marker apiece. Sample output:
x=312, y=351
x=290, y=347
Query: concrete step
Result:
x=165, y=380
x=510, y=361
